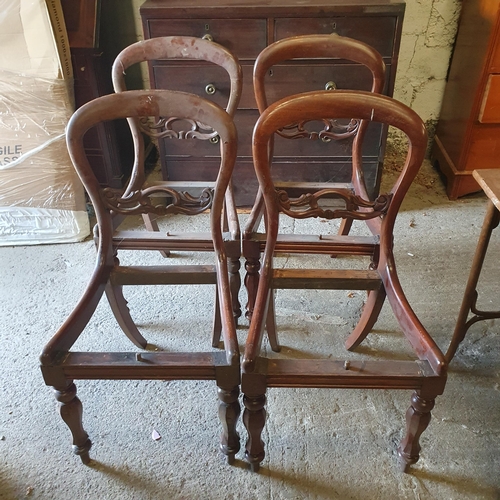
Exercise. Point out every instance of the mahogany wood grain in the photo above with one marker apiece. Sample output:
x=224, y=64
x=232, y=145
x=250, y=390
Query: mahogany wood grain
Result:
x=425, y=374
x=223, y=62
x=466, y=138
x=490, y=107
x=355, y=142
x=59, y=364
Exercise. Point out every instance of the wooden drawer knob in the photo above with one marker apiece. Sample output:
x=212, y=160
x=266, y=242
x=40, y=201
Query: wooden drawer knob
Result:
x=330, y=85
x=210, y=89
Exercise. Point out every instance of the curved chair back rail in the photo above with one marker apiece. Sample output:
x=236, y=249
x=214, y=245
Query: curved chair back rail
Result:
x=151, y=103
x=314, y=47
x=180, y=47
x=185, y=48
x=329, y=50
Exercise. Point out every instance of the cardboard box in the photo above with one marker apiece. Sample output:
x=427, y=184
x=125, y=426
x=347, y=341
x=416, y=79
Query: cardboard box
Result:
x=41, y=198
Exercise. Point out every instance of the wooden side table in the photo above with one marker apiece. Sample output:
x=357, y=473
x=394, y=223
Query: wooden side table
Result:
x=489, y=180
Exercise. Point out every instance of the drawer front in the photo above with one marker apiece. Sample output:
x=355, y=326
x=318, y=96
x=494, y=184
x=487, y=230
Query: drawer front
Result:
x=484, y=150
x=244, y=179
x=196, y=79
x=283, y=147
x=243, y=37
x=303, y=147
x=490, y=107
x=292, y=79
x=378, y=32
x=196, y=148
x=245, y=182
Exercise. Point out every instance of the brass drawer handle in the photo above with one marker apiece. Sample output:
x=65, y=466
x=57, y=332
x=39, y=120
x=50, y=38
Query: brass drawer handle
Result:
x=214, y=140
x=210, y=89
x=326, y=139
x=208, y=37
x=330, y=85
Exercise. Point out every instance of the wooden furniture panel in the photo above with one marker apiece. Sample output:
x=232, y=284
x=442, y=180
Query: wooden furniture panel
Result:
x=316, y=77
x=244, y=37
x=291, y=150
x=82, y=22
x=468, y=132
x=377, y=32
x=108, y=145
x=246, y=28
x=490, y=108
x=305, y=170
x=196, y=78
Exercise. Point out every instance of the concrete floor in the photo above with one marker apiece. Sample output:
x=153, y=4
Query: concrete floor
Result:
x=321, y=444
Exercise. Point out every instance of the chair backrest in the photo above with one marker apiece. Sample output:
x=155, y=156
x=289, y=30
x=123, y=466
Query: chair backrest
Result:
x=177, y=47
x=322, y=105
x=333, y=48
x=140, y=105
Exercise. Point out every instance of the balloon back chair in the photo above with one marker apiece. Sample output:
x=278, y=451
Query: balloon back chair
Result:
x=60, y=365
x=341, y=55
x=190, y=48
x=426, y=373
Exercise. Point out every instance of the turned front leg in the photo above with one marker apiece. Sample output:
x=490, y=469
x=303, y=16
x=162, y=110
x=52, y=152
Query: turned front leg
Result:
x=229, y=412
x=70, y=408
x=418, y=417
x=254, y=418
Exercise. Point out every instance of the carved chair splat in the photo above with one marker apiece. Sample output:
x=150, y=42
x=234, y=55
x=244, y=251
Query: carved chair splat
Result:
x=426, y=374
x=60, y=365
x=333, y=49
x=187, y=48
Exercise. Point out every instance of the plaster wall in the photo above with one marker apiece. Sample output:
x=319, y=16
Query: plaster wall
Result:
x=429, y=31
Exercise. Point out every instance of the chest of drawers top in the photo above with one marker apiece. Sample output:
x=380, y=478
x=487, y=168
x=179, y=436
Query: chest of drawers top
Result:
x=247, y=8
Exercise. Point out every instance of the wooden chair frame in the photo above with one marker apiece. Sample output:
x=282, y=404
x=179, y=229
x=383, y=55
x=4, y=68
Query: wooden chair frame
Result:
x=187, y=48
x=328, y=47
x=60, y=366
x=427, y=374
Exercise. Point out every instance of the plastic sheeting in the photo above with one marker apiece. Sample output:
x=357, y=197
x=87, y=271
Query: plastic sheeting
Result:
x=41, y=198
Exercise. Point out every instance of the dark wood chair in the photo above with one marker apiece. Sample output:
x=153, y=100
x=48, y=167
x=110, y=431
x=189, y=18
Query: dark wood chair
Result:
x=426, y=375
x=189, y=48
x=60, y=365
x=327, y=50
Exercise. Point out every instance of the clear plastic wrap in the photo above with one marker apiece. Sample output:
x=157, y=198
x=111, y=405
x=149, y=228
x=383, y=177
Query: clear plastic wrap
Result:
x=41, y=198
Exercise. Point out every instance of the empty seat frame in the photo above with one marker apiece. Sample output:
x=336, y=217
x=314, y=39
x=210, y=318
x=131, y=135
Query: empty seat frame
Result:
x=426, y=374
x=60, y=365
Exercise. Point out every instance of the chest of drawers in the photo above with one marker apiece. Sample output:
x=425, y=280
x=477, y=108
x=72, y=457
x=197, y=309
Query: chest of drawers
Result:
x=246, y=28
x=468, y=132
